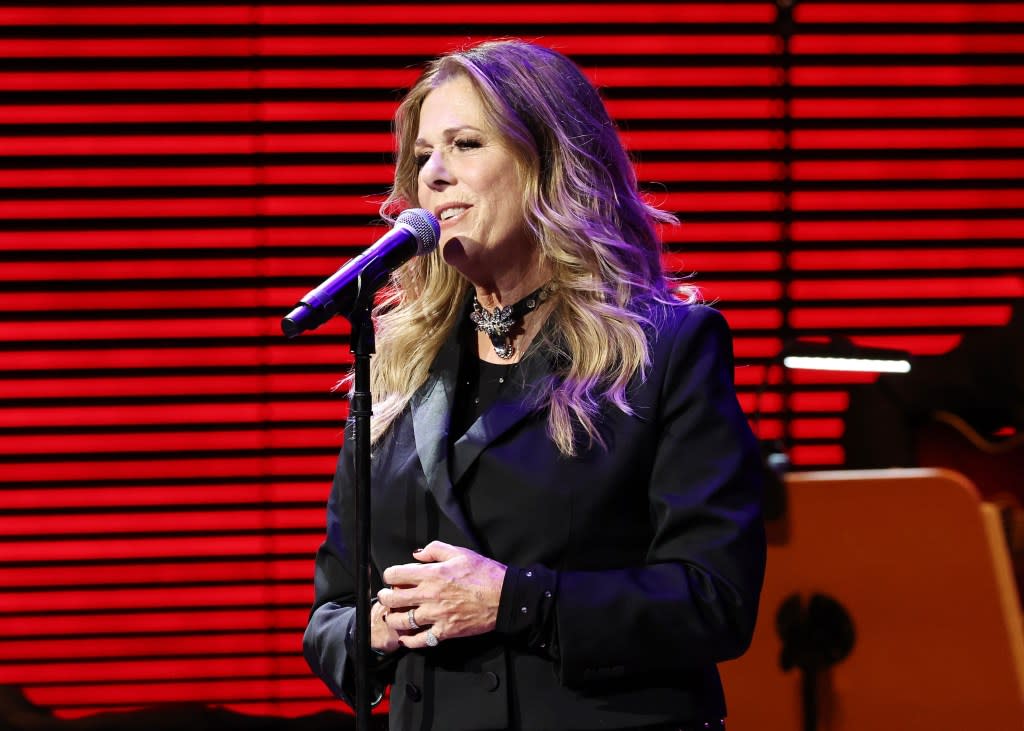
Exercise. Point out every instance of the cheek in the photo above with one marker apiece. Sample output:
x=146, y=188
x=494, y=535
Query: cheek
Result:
x=508, y=212
x=510, y=202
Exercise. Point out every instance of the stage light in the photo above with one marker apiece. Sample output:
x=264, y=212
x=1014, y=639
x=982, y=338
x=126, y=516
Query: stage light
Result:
x=838, y=353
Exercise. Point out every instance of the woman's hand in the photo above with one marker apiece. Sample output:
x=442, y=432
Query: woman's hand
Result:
x=382, y=637
x=452, y=592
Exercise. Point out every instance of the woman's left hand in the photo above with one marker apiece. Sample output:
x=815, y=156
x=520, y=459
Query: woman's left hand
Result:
x=452, y=592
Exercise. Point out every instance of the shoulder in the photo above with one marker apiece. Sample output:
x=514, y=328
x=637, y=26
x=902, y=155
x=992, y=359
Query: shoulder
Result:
x=691, y=344
x=691, y=314
x=681, y=326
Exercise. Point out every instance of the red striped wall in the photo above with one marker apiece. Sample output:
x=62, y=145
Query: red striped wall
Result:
x=174, y=177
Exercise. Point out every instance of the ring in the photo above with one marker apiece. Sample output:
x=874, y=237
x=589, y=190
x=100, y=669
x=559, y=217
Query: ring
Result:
x=412, y=619
x=431, y=638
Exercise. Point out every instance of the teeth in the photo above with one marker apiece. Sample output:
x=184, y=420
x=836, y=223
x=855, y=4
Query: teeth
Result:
x=451, y=212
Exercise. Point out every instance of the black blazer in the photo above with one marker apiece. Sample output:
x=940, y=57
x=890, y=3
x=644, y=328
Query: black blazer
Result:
x=654, y=546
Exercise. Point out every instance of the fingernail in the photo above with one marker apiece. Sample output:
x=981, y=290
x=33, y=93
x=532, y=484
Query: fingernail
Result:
x=418, y=550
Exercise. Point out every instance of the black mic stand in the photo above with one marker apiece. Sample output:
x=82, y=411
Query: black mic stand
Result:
x=362, y=346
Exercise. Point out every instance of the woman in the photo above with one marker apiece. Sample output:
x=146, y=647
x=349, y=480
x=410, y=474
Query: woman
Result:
x=565, y=503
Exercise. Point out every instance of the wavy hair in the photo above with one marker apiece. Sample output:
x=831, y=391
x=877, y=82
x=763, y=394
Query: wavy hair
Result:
x=584, y=212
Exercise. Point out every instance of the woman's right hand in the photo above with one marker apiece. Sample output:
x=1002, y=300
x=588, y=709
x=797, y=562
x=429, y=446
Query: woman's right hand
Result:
x=382, y=637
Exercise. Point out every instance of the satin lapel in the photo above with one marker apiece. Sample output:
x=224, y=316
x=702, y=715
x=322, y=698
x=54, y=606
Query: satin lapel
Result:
x=431, y=420
x=510, y=408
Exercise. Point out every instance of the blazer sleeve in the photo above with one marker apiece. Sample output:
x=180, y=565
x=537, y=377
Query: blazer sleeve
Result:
x=694, y=601
x=328, y=643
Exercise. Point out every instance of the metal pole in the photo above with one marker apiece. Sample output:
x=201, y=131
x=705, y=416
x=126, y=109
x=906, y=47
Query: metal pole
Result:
x=362, y=347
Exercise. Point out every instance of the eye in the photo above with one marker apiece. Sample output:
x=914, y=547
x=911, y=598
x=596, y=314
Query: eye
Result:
x=421, y=158
x=468, y=143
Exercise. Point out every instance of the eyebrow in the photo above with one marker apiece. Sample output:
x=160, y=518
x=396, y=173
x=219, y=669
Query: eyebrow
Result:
x=420, y=142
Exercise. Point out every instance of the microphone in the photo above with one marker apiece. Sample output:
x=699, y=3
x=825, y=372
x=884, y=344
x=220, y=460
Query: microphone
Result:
x=416, y=232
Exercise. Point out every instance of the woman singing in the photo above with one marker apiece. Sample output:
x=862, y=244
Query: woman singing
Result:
x=567, y=530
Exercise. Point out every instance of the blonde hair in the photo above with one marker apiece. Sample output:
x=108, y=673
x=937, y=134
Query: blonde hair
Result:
x=584, y=211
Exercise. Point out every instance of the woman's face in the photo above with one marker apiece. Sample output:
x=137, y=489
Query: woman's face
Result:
x=468, y=179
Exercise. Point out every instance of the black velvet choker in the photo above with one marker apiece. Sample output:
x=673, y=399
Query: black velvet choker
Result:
x=499, y=324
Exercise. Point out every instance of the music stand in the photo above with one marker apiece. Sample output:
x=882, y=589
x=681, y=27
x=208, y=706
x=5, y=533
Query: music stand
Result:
x=920, y=564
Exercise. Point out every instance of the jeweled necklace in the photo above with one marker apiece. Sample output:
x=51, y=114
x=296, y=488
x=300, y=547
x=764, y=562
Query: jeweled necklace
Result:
x=500, y=323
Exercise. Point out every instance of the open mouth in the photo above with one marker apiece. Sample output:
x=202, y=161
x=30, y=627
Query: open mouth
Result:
x=451, y=213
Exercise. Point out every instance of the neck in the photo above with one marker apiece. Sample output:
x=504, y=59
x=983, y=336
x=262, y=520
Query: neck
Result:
x=504, y=333
x=504, y=291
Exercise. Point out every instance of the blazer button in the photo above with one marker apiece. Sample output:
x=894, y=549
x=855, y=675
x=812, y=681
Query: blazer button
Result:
x=491, y=681
x=413, y=693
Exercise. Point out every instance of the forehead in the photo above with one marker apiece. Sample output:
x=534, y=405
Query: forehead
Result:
x=452, y=105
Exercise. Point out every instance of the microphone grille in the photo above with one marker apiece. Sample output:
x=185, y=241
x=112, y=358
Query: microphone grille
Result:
x=424, y=225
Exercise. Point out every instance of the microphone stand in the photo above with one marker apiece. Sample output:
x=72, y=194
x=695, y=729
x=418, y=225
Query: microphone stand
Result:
x=366, y=274
x=362, y=346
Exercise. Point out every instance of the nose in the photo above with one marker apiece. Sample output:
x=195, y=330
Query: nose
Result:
x=435, y=173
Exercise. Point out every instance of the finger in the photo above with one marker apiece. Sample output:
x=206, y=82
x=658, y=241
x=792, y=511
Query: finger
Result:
x=429, y=637
x=415, y=619
x=397, y=599
x=384, y=616
x=436, y=551
x=398, y=622
x=404, y=574
x=383, y=637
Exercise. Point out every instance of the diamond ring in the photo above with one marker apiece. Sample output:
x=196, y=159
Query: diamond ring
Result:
x=431, y=638
x=411, y=616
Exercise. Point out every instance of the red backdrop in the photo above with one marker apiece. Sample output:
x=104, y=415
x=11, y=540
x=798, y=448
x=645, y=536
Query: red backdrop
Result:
x=174, y=177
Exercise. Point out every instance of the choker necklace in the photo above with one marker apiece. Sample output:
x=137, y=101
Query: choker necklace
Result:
x=499, y=323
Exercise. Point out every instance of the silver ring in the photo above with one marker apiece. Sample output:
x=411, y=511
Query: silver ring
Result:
x=431, y=638
x=411, y=616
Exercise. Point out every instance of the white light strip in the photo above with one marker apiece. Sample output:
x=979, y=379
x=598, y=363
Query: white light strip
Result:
x=821, y=363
